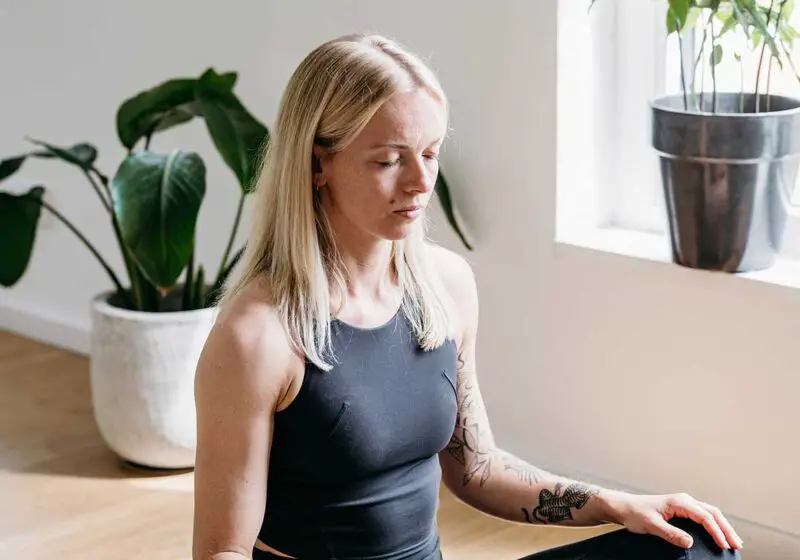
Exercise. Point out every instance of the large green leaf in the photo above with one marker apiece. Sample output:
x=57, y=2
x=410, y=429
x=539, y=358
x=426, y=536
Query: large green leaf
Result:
x=19, y=219
x=443, y=193
x=157, y=199
x=237, y=135
x=161, y=107
x=82, y=154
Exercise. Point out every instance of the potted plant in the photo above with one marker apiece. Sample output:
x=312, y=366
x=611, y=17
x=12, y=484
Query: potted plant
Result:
x=728, y=159
x=149, y=328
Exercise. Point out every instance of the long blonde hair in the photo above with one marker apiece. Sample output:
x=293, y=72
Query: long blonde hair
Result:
x=329, y=99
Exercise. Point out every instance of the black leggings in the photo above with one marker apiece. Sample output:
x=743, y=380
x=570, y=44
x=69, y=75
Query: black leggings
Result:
x=621, y=545
x=624, y=545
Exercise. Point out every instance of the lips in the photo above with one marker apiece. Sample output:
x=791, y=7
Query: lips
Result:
x=410, y=209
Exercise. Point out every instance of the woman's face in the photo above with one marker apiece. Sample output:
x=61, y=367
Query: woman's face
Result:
x=380, y=185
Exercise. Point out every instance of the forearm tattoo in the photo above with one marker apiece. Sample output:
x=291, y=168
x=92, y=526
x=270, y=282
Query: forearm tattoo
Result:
x=466, y=444
x=472, y=447
x=526, y=473
x=555, y=507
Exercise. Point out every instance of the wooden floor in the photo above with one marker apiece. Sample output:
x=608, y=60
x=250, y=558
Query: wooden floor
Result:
x=65, y=496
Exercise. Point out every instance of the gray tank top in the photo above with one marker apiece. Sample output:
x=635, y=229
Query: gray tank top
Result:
x=354, y=470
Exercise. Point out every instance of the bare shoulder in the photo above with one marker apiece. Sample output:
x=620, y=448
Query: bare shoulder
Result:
x=248, y=347
x=459, y=282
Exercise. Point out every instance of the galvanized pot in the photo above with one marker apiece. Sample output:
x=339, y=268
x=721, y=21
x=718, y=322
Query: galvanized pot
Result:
x=727, y=176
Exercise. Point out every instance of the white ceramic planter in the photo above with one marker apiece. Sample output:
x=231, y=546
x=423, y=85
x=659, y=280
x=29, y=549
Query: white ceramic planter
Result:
x=142, y=381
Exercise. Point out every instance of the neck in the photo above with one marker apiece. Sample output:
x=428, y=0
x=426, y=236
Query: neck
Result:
x=368, y=270
x=367, y=262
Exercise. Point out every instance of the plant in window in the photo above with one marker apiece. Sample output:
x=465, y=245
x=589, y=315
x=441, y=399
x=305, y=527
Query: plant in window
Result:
x=728, y=157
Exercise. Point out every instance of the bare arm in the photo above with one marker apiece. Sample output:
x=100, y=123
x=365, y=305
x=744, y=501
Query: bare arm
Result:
x=240, y=378
x=476, y=470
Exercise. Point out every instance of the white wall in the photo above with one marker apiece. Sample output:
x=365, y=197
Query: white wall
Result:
x=634, y=372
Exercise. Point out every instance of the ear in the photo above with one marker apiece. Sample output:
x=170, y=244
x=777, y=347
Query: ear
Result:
x=320, y=165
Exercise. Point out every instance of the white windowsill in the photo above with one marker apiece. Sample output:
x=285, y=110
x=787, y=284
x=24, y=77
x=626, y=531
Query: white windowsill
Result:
x=655, y=247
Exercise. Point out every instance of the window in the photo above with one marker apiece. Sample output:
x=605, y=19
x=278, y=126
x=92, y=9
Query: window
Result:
x=612, y=61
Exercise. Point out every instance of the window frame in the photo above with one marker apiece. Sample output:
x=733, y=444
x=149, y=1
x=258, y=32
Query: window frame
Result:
x=609, y=71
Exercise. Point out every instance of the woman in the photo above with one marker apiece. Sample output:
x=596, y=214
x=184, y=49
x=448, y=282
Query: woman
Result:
x=338, y=387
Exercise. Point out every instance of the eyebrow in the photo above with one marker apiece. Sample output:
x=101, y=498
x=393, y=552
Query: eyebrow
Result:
x=400, y=146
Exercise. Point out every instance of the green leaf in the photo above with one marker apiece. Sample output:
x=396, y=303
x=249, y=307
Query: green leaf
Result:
x=741, y=18
x=672, y=23
x=9, y=166
x=676, y=15
x=82, y=154
x=716, y=55
x=713, y=4
x=157, y=199
x=788, y=34
x=19, y=219
x=761, y=26
x=237, y=135
x=724, y=12
x=161, y=107
x=692, y=17
x=442, y=191
x=727, y=26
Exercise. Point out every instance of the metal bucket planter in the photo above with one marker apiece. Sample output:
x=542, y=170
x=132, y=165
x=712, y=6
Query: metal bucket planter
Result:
x=726, y=177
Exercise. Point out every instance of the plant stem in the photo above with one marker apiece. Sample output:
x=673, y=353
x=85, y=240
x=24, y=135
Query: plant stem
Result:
x=228, y=249
x=789, y=60
x=198, y=300
x=777, y=32
x=213, y=293
x=741, y=85
x=683, y=67
x=698, y=60
x=129, y=265
x=89, y=246
x=103, y=180
x=105, y=199
x=713, y=68
x=761, y=59
x=188, y=288
x=144, y=294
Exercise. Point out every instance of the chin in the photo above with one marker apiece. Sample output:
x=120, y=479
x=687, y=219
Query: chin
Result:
x=398, y=233
x=397, y=230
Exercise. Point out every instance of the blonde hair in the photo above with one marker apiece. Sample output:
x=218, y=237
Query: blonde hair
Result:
x=329, y=99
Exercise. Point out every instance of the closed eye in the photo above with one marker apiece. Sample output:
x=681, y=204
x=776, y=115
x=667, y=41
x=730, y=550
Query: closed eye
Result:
x=392, y=163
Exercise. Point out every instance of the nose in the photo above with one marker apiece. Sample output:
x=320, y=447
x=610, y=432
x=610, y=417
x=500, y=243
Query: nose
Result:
x=419, y=177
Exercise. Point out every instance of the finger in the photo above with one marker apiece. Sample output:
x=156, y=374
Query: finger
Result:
x=730, y=533
x=672, y=534
x=704, y=517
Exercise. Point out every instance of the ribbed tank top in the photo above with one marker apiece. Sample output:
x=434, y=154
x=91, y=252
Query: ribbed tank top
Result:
x=354, y=469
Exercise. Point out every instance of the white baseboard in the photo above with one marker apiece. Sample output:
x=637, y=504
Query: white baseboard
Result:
x=45, y=327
